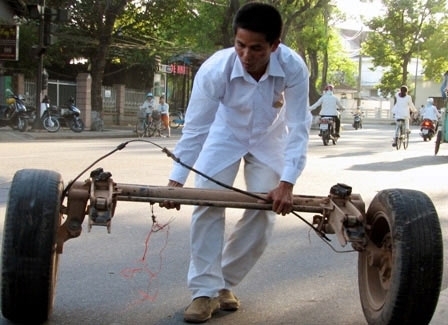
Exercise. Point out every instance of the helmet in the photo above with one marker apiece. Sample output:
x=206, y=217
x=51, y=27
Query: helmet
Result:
x=329, y=88
x=149, y=95
x=430, y=100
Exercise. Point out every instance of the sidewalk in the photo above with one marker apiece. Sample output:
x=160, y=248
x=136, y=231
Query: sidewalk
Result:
x=7, y=134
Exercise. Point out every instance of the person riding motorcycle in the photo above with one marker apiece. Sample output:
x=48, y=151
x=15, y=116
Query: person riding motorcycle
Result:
x=330, y=105
x=430, y=112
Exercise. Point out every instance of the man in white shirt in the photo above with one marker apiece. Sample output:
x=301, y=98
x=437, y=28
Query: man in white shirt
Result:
x=430, y=112
x=330, y=106
x=402, y=110
x=148, y=106
x=248, y=104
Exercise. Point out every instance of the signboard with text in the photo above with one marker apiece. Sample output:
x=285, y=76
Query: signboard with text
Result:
x=9, y=43
x=173, y=68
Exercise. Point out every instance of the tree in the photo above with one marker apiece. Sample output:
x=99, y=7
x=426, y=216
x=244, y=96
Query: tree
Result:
x=398, y=36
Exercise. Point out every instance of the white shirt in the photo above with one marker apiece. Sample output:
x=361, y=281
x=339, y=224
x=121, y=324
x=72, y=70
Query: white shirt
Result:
x=164, y=108
x=430, y=112
x=403, y=106
x=148, y=105
x=230, y=114
x=330, y=104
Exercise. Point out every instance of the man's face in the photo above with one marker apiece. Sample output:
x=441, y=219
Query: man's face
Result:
x=254, y=51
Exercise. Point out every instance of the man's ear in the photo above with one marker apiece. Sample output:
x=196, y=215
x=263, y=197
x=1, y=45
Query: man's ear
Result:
x=275, y=45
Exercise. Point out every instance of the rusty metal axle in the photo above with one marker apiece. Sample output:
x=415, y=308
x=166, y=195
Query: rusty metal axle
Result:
x=341, y=212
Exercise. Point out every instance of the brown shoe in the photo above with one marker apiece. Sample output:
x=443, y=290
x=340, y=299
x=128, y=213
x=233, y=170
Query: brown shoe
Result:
x=201, y=309
x=228, y=301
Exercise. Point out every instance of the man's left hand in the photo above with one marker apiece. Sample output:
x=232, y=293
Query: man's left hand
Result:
x=281, y=198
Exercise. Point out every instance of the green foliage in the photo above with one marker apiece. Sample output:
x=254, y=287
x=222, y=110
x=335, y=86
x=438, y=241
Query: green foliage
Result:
x=128, y=35
x=401, y=35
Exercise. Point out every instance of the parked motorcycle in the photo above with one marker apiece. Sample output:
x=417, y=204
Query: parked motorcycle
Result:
x=50, y=116
x=357, y=120
x=15, y=113
x=71, y=117
x=326, y=130
x=427, y=129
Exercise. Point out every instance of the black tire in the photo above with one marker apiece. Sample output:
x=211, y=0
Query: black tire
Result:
x=22, y=124
x=51, y=123
x=140, y=128
x=406, y=141
x=325, y=138
x=438, y=141
x=29, y=257
x=76, y=125
x=173, y=118
x=399, y=140
x=400, y=272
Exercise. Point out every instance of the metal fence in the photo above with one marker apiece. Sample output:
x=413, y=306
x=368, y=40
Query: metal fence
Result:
x=60, y=91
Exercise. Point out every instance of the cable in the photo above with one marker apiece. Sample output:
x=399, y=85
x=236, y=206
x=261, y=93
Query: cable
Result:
x=121, y=146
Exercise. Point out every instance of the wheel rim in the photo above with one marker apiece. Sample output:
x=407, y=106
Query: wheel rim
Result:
x=378, y=264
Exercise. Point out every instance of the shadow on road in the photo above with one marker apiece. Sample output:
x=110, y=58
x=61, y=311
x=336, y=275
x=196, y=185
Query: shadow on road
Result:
x=404, y=164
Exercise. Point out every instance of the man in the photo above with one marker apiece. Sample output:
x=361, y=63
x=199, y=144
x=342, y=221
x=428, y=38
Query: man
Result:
x=430, y=112
x=248, y=103
x=402, y=110
x=148, y=106
x=330, y=105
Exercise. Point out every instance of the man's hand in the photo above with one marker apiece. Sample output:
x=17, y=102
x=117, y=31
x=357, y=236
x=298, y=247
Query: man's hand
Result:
x=171, y=204
x=281, y=198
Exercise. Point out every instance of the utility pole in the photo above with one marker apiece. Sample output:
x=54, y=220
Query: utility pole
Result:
x=40, y=63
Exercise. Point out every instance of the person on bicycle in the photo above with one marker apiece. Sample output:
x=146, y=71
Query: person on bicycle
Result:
x=403, y=106
x=330, y=105
x=148, y=106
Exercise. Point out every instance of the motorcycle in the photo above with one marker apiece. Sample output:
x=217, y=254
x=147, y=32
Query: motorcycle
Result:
x=357, y=120
x=71, y=117
x=50, y=120
x=15, y=114
x=326, y=130
x=427, y=129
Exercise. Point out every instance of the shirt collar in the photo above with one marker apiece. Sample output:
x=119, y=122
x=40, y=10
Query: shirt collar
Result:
x=274, y=69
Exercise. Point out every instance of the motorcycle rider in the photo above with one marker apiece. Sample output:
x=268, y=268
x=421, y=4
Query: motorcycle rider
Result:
x=403, y=106
x=431, y=112
x=330, y=104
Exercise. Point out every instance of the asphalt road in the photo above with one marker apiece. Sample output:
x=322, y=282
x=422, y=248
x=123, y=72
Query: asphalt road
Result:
x=132, y=276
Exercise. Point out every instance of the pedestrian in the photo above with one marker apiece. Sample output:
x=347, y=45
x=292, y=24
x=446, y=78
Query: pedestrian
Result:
x=402, y=109
x=164, y=109
x=248, y=105
x=330, y=106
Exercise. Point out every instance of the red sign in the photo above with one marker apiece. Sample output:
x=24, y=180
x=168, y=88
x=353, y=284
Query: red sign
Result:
x=179, y=69
x=9, y=42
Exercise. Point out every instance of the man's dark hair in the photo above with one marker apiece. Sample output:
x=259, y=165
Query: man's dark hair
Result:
x=260, y=18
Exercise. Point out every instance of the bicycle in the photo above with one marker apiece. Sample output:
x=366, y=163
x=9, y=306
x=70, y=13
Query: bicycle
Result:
x=403, y=135
x=141, y=126
x=155, y=124
x=177, y=119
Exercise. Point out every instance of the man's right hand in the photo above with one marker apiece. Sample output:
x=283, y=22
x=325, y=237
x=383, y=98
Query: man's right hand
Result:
x=171, y=204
